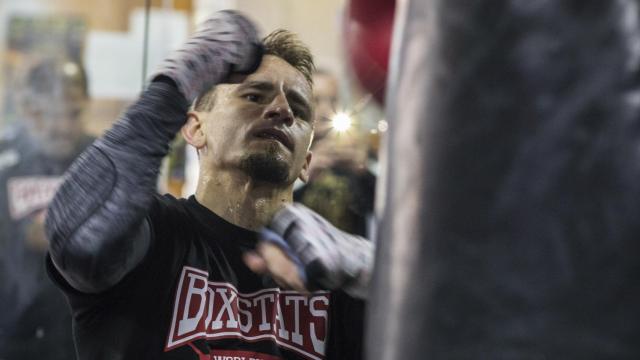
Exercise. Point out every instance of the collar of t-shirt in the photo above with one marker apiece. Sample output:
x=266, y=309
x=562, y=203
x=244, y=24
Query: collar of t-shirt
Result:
x=218, y=225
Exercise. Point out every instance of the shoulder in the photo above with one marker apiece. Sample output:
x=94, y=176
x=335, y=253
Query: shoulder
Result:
x=168, y=221
x=167, y=212
x=167, y=204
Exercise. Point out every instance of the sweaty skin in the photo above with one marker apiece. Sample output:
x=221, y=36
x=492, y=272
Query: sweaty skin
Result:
x=275, y=97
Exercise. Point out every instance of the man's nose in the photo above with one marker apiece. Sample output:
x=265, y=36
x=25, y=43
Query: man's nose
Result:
x=279, y=111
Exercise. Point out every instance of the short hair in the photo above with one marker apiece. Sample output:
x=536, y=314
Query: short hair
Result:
x=54, y=74
x=283, y=44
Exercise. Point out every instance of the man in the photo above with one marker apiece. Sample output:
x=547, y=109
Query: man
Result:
x=325, y=99
x=33, y=314
x=340, y=187
x=152, y=277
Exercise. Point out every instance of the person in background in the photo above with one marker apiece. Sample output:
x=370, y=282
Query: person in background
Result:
x=34, y=317
x=340, y=187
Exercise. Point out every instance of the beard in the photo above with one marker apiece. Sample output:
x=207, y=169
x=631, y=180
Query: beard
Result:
x=267, y=166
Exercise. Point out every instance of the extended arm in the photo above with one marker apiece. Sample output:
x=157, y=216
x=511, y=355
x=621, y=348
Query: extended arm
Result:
x=96, y=222
x=329, y=258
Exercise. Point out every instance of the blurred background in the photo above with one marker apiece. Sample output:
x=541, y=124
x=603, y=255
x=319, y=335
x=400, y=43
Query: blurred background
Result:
x=69, y=67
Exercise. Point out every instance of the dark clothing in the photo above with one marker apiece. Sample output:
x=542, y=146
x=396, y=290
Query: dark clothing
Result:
x=511, y=222
x=34, y=317
x=192, y=295
x=343, y=196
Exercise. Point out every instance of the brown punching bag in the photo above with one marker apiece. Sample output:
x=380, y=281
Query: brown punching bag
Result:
x=510, y=226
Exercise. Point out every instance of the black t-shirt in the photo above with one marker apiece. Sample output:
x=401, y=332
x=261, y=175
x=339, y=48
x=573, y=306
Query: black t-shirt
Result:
x=192, y=297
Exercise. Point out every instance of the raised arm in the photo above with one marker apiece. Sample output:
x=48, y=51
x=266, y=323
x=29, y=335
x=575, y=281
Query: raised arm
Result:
x=96, y=222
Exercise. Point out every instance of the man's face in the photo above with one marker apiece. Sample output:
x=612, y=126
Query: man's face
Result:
x=261, y=123
x=54, y=122
x=325, y=98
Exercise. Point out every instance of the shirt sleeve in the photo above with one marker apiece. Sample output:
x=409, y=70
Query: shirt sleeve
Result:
x=96, y=222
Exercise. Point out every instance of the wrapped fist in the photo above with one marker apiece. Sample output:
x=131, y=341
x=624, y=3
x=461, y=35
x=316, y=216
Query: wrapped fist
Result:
x=227, y=42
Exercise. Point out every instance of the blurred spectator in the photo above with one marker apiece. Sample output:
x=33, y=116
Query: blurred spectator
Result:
x=340, y=188
x=34, y=316
x=325, y=98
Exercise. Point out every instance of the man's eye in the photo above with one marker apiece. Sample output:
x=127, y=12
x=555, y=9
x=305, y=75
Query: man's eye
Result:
x=299, y=113
x=253, y=97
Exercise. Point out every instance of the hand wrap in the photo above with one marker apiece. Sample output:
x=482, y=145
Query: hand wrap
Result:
x=332, y=259
x=227, y=42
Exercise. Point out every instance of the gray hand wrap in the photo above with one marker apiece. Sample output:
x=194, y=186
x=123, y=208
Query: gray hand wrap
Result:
x=332, y=259
x=227, y=42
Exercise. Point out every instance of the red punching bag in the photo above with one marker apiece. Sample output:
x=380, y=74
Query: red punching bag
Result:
x=367, y=28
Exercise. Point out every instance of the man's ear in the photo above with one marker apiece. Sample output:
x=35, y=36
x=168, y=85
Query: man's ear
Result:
x=304, y=174
x=192, y=130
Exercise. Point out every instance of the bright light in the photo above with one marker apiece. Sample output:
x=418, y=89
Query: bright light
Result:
x=382, y=126
x=70, y=69
x=341, y=122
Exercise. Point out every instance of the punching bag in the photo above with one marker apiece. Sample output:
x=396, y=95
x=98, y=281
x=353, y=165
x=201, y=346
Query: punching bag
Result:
x=510, y=228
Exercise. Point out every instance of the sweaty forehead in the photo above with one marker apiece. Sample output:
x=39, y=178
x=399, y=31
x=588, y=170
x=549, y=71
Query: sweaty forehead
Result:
x=277, y=71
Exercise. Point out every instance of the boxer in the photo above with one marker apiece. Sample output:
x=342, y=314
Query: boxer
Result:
x=154, y=277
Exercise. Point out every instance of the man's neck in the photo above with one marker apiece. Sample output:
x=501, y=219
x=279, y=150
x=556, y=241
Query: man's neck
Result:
x=240, y=200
